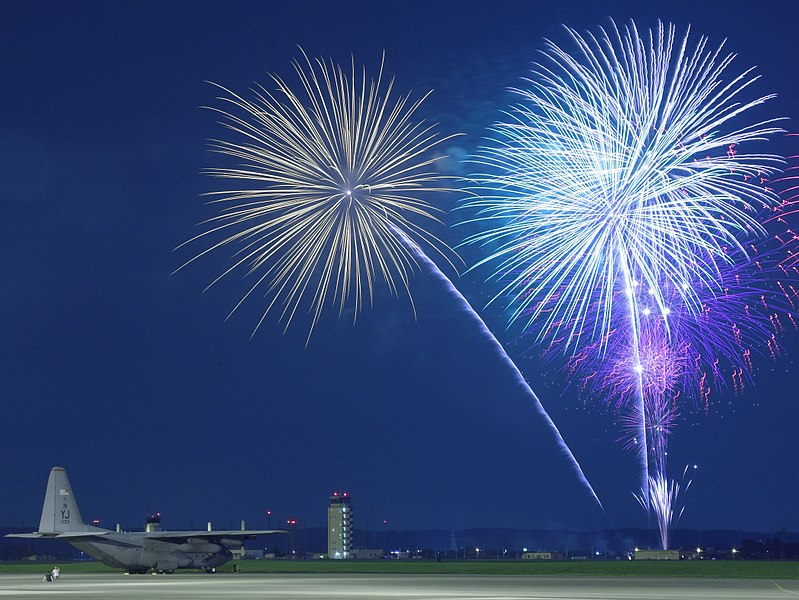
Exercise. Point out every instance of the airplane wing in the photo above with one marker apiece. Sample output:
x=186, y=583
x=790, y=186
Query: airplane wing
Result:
x=100, y=538
x=75, y=535
x=68, y=535
x=237, y=534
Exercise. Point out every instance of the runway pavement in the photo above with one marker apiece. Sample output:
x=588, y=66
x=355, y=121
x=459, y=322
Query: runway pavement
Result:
x=406, y=587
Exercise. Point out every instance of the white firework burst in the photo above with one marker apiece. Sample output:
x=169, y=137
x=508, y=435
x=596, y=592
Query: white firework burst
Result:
x=332, y=178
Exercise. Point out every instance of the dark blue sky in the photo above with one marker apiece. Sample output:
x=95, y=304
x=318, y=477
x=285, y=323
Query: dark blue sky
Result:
x=130, y=378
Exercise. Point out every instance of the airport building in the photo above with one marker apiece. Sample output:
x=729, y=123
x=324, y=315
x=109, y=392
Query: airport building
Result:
x=339, y=526
x=543, y=556
x=656, y=554
x=152, y=523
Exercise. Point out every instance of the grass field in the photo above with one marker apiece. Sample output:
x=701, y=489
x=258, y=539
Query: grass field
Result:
x=622, y=568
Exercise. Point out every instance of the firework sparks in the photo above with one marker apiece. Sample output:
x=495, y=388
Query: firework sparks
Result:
x=611, y=171
x=613, y=202
x=506, y=360
x=326, y=176
x=661, y=498
x=686, y=355
x=334, y=176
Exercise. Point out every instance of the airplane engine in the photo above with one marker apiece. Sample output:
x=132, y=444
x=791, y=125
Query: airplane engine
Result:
x=198, y=546
x=231, y=542
x=194, y=540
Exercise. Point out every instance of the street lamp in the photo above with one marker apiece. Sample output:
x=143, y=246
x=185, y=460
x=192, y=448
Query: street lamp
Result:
x=291, y=525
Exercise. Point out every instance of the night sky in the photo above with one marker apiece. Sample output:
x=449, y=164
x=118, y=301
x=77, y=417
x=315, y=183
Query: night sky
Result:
x=130, y=377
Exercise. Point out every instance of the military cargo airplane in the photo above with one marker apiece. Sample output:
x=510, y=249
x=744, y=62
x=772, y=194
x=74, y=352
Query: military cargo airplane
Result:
x=135, y=551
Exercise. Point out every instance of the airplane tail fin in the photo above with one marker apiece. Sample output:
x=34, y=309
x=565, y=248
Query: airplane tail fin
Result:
x=60, y=511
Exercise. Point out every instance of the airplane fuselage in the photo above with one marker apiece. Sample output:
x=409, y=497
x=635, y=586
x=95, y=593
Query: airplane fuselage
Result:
x=137, y=553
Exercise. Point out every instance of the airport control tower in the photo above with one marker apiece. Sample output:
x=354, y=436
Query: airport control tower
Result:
x=339, y=526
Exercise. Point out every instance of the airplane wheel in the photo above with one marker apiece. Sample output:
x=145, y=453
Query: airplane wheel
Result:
x=210, y=570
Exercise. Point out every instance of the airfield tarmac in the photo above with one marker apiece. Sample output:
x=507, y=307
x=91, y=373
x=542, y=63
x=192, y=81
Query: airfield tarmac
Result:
x=405, y=587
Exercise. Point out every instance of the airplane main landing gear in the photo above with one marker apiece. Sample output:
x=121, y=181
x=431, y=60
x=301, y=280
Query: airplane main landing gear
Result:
x=209, y=569
x=136, y=571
